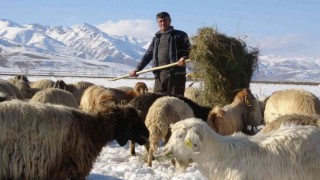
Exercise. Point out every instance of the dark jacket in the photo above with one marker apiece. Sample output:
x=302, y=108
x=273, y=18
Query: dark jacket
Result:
x=179, y=46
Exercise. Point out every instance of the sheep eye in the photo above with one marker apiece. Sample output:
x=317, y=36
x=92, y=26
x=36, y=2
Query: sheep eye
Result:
x=195, y=145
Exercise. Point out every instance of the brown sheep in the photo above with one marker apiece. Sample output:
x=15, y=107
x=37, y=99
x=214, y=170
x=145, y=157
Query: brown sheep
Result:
x=141, y=88
x=232, y=117
x=96, y=97
x=55, y=96
x=43, y=141
x=77, y=89
x=290, y=101
x=300, y=119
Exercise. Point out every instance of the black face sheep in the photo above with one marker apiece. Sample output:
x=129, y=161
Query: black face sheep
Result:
x=288, y=153
x=77, y=89
x=22, y=78
x=42, y=141
x=290, y=101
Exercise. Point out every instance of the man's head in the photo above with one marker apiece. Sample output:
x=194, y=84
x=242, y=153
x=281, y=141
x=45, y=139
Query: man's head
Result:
x=164, y=21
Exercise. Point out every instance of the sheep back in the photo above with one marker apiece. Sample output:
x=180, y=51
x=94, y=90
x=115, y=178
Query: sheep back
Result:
x=298, y=119
x=55, y=96
x=290, y=101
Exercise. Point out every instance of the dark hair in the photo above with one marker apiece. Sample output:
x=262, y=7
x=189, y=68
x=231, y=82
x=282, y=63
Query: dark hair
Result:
x=162, y=15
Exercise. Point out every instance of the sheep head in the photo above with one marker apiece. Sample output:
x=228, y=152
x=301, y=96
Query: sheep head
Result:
x=244, y=95
x=22, y=78
x=141, y=87
x=130, y=126
x=216, y=114
x=60, y=84
x=186, y=139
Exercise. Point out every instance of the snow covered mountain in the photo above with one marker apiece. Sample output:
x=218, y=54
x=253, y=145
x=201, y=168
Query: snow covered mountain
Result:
x=84, y=50
x=83, y=41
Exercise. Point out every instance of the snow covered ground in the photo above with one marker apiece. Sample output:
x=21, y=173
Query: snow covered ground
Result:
x=115, y=162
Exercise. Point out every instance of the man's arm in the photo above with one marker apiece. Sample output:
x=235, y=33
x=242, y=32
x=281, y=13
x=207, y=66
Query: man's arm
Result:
x=147, y=57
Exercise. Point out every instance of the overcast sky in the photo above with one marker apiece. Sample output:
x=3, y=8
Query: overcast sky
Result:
x=287, y=28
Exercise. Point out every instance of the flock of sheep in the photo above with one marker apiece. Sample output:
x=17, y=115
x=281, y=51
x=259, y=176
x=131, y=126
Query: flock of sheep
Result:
x=55, y=130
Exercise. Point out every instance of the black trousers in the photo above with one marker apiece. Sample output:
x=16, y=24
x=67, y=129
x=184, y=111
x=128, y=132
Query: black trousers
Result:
x=169, y=83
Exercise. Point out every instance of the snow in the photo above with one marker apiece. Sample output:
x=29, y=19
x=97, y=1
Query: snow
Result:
x=115, y=162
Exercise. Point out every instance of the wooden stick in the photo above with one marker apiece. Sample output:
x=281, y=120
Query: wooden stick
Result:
x=150, y=69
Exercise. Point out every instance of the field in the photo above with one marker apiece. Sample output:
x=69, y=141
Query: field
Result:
x=115, y=162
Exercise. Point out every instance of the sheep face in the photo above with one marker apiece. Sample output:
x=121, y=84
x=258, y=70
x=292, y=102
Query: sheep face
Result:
x=141, y=87
x=60, y=84
x=22, y=78
x=131, y=127
x=177, y=146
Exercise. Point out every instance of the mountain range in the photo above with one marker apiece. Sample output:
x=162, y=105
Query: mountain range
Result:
x=85, y=50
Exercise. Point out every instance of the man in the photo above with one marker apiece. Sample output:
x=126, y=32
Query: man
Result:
x=167, y=46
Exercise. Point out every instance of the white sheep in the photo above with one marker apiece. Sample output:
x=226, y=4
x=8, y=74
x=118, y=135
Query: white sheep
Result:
x=55, y=96
x=290, y=101
x=235, y=116
x=44, y=141
x=161, y=114
x=288, y=153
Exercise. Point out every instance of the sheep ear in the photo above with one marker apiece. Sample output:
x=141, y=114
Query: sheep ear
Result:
x=247, y=101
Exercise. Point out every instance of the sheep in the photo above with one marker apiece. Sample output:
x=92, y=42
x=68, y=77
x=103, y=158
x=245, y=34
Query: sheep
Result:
x=44, y=141
x=141, y=88
x=255, y=117
x=55, y=96
x=144, y=101
x=77, y=89
x=290, y=152
x=300, y=119
x=232, y=117
x=290, y=101
x=23, y=87
x=41, y=84
x=96, y=97
x=161, y=114
x=10, y=90
x=22, y=78
x=194, y=94
x=4, y=97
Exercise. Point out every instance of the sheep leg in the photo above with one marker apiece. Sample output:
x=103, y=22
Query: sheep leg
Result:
x=152, y=148
x=132, y=148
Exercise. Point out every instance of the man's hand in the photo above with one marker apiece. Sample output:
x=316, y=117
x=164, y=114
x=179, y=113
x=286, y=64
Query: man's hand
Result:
x=182, y=61
x=133, y=73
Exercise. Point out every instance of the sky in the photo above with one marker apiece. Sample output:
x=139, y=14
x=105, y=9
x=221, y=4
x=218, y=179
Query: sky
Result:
x=288, y=28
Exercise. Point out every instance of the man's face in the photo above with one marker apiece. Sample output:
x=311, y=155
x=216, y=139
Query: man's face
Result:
x=164, y=23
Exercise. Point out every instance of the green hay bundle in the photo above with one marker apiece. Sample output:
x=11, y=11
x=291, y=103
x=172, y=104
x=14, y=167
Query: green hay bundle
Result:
x=225, y=64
